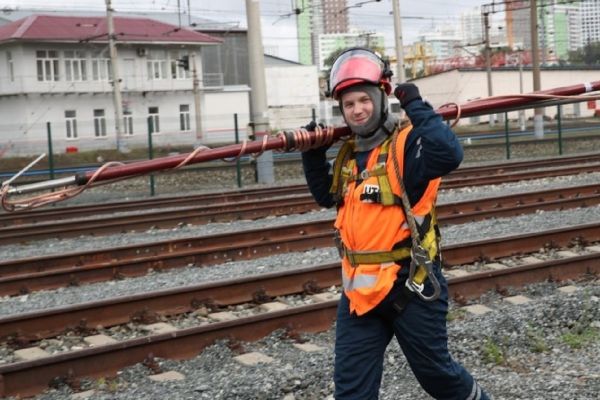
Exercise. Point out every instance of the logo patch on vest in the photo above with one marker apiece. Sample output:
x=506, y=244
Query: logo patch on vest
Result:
x=370, y=193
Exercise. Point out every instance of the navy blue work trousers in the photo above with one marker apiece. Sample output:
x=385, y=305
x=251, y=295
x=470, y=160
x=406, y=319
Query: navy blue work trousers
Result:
x=421, y=332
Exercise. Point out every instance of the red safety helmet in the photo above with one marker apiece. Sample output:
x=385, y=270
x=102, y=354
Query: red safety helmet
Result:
x=359, y=65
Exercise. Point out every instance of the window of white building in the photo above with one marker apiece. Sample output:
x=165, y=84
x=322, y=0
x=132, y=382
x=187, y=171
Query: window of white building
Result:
x=99, y=123
x=157, y=65
x=71, y=124
x=47, y=65
x=128, y=123
x=101, y=68
x=177, y=71
x=154, y=119
x=184, y=117
x=75, y=65
x=10, y=66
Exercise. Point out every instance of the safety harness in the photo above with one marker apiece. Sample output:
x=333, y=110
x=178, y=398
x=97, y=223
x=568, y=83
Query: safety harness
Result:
x=422, y=246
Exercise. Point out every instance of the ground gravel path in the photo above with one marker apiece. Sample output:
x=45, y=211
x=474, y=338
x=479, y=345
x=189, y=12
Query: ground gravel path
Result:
x=537, y=360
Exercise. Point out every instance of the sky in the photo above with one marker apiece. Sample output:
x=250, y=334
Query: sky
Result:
x=278, y=26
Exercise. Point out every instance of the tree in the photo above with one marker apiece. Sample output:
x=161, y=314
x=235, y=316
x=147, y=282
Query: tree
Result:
x=587, y=55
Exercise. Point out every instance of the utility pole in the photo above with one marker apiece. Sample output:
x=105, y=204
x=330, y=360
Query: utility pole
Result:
x=258, y=96
x=538, y=118
x=543, y=47
x=197, y=102
x=116, y=80
x=488, y=57
x=189, y=13
x=399, y=45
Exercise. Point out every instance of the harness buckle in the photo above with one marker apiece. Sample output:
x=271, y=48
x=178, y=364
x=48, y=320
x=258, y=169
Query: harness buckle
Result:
x=337, y=239
x=420, y=258
x=364, y=174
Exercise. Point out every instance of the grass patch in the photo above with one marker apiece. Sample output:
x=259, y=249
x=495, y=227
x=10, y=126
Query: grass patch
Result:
x=537, y=342
x=493, y=353
x=576, y=339
x=455, y=314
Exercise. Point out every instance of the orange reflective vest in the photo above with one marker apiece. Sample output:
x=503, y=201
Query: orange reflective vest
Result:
x=369, y=229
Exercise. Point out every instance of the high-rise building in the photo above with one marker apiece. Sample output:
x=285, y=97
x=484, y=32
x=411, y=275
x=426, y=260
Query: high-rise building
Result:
x=518, y=33
x=318, y=17
x=330, y=42
x=335, y=16
x=590, y=21
x=559, y=31
x=472, y=26
x=303, y=23
x=563, y=26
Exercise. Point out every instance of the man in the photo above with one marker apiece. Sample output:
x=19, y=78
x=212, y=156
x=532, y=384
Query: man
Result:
x=372, y=170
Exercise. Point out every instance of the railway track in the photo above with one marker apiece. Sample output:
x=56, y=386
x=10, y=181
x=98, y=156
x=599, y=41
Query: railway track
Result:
x=496, y=173
x=26, y=275
x=316, y=314
x=242, y=210
x=265, y=287
x=24, y=378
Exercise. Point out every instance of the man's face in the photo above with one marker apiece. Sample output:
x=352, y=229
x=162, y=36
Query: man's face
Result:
x=357, y=107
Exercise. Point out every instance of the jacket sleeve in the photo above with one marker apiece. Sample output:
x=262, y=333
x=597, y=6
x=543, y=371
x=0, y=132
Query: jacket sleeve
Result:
x=432, y=150
x=317, y=172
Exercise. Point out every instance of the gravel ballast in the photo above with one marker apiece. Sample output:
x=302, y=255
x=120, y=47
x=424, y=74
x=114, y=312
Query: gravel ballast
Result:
x=516, y=352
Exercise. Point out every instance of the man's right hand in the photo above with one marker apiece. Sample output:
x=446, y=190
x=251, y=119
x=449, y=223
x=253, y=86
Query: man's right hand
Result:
x=312, y=125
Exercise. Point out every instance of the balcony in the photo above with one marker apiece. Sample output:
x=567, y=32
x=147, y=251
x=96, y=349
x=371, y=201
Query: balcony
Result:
x=28, y=84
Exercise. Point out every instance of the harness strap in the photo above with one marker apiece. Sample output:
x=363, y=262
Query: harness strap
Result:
x=364, y=174
x=376, y=257
x=344, y=154
x=429, y=241
x=378, y=198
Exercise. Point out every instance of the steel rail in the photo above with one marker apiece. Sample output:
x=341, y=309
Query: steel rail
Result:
x=72, y=212
x=458, y=182
x=38, y=325
x=163, y=219
x=221, y=198
x=25, y=275
x=31, y=377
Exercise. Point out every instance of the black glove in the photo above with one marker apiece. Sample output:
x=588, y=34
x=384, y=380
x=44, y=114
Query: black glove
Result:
x=312, y=125
x=406, y=92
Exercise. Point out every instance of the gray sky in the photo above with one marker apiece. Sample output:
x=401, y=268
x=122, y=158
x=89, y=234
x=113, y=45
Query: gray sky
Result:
x=279, y=31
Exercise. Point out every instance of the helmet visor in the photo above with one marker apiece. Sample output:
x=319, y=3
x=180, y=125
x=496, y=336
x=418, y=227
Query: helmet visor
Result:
x=356, y=65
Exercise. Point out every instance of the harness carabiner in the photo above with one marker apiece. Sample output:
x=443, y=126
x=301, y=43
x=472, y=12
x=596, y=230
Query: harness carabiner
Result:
x=415, y=282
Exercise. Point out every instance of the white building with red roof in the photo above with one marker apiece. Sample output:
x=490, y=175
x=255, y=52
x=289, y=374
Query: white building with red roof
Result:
x=57, y=70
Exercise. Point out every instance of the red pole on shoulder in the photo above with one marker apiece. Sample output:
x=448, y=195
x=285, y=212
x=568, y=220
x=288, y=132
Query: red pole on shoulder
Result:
x=284, y=141
x=514, y=102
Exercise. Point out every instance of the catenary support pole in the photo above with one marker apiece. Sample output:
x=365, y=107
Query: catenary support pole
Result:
x=538, y=118
x=258, y=96
x=197, y=101
x=116, y=78
x=398, y=42
x=488, y=59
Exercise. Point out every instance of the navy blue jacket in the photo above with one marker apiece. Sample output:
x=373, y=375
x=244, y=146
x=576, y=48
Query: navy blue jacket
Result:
x=431, y=150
